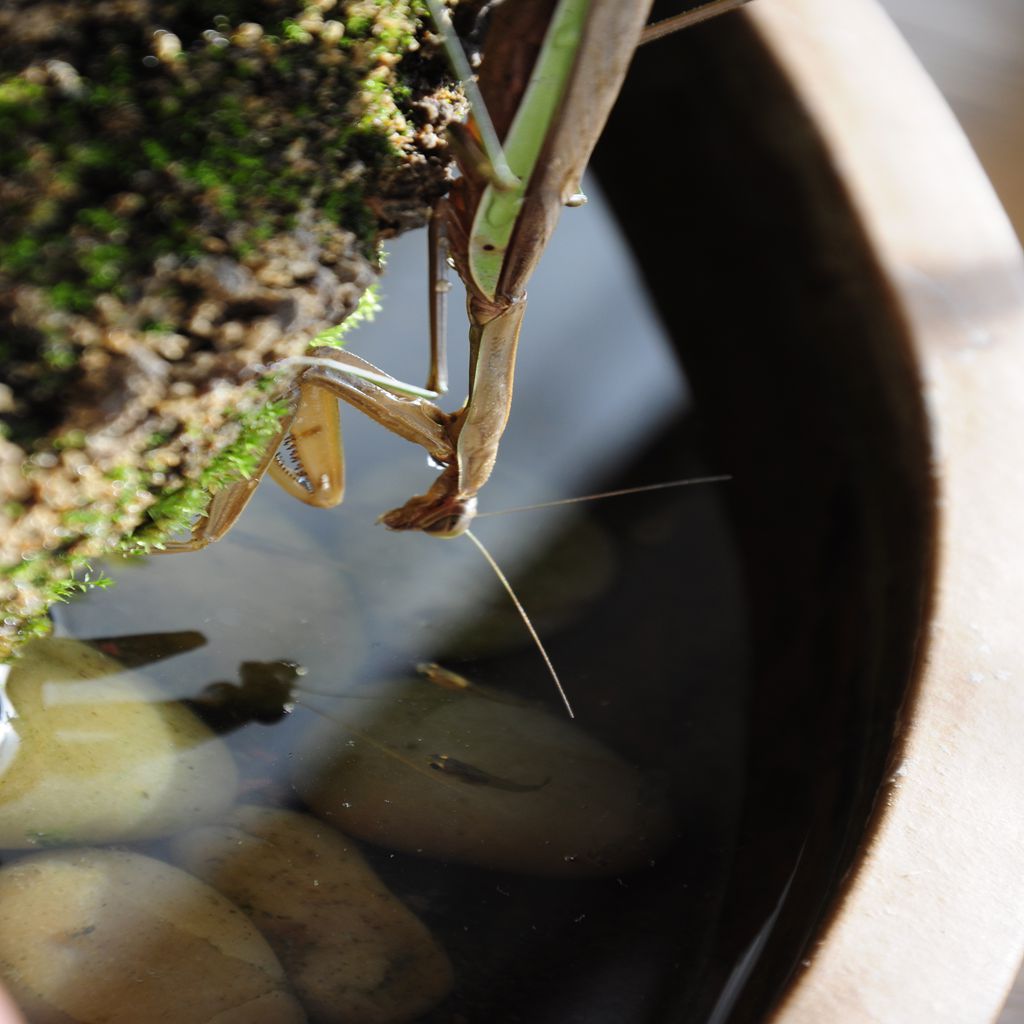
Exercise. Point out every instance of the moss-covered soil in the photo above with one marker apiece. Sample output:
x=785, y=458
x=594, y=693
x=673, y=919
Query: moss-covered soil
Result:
x=190, y=190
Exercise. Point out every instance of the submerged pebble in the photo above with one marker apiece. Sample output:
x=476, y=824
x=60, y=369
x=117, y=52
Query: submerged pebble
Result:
x=106, y=935
x=90, y=753
x=471, y=777
x=353, y=952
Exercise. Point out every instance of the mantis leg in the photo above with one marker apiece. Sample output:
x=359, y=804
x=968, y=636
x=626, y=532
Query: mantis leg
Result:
x=437, y=274
x=315, y=469
x=448, y=507
x=415, y=419
x=480, y=425
x=226, y=505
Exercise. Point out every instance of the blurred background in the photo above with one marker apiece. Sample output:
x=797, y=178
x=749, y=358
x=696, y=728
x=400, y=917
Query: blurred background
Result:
x=974, y=51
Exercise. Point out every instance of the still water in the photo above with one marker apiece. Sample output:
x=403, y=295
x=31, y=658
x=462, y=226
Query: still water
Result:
x=562, y=869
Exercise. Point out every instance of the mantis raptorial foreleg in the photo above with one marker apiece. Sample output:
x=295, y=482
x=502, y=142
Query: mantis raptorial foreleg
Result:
x=226, y=505
x=315, y=472
x=416, y=419
x=448, y=507
x=312, y=467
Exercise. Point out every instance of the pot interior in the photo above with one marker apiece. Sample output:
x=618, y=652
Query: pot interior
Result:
x=744, y=647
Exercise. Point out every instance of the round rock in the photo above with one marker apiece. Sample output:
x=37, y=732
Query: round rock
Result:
x=105, y=935
x=352, y=951
x=474, y=777
x=90, y=753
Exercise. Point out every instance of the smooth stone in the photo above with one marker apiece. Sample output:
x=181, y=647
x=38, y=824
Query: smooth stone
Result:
x=351, y=950
x=90, y=753
x=475, y=777
x=106, y=935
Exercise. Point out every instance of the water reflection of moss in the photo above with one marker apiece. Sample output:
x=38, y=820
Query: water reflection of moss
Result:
x=190, y=189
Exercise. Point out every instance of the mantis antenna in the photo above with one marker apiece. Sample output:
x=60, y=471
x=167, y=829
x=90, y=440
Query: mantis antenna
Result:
x=526, y=619
x=676, y=22
x=620, y=493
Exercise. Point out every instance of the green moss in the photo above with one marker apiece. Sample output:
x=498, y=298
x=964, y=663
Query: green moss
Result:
x=56, y=577
x=367, y=310
x=358, y=26
x=74, y=439
x=215, y=149
x=58, y=355
x=155, y=153
x=294, y=32
x=71, y=297
x=20, y=254
x=176, y=510
x=18, y=98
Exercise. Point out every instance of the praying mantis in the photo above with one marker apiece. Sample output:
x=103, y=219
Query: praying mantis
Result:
x=548, y=82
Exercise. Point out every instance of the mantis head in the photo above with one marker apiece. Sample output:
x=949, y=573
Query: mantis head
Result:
x=441, y=512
